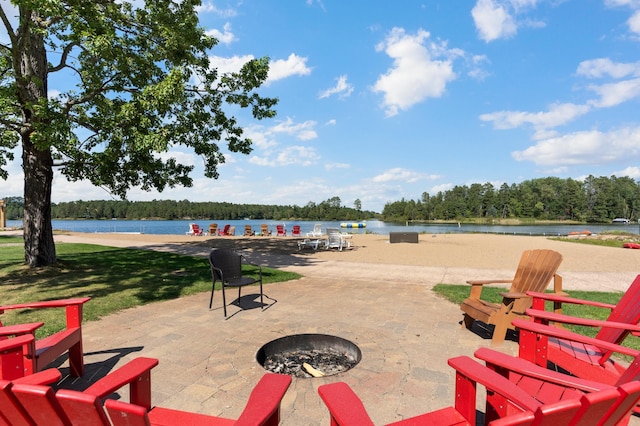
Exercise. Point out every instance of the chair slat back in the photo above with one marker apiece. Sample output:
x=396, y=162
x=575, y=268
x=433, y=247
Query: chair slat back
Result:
x=629, y=398
x=41, y=404
x=11, y=411
x=82, y=408
x=627, y=311
x=535, y=270
x=123, y=414
x=228, y=261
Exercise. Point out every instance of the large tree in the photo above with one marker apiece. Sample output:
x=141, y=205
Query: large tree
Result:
x=142, y=83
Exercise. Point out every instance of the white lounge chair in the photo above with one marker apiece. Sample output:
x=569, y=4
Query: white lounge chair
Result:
x=336, y=240
x=317, y=231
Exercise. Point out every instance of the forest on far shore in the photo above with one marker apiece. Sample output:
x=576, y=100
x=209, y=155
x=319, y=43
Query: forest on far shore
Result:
x=592, y=200
x=331, y=209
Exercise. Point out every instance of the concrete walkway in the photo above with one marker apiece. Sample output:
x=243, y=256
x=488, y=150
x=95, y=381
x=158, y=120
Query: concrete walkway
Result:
x=207, y=363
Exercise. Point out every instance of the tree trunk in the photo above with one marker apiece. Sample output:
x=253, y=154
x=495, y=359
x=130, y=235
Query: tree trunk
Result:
x=39, y=248
x=30, y=65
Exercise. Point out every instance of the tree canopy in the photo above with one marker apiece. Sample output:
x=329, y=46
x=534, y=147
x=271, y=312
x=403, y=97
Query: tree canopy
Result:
x=141, y=83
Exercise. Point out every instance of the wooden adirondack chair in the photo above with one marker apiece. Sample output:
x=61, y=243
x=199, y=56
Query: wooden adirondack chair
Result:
x=548, y=386
x=264, y=230
x=213, y=229
x=588, y=359
x=506, y=403
x=280, y=231
x=40, y=353
x=67, y=407
x=248, y=231
x=534, y=273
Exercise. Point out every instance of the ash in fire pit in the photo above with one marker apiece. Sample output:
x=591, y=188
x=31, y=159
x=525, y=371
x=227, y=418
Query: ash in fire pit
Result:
x=309, y=355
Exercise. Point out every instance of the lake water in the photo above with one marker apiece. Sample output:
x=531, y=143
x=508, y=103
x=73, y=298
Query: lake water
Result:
x=179, y=227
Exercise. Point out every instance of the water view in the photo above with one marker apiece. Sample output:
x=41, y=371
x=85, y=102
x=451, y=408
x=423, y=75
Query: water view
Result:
x=180, y=227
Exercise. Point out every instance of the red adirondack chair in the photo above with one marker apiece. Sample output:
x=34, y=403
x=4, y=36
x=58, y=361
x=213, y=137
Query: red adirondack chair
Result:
x=514, y=406
x=587, y=359
x=194, y=230
x=224, y=231
x=280, y=231
x=295, y=231
x=40, y=353
x=67, y=407
x=547, y=386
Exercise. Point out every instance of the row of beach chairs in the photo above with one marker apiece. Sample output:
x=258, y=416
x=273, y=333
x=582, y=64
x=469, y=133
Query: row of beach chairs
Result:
x=229, y=230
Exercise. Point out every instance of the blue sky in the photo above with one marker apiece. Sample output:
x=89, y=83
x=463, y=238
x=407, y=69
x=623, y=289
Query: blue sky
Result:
x=384, y=100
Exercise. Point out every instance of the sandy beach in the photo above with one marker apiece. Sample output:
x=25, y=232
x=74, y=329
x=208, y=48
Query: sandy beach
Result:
x=449, y=258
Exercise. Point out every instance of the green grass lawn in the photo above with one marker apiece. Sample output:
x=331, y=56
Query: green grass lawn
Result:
x=456, y=293
x=115, y=279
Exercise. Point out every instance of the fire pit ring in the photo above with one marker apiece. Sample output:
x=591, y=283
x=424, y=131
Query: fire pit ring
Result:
x=309, y=355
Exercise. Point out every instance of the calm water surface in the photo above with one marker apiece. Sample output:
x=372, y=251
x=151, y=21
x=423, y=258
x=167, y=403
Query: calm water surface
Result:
x=179, y=227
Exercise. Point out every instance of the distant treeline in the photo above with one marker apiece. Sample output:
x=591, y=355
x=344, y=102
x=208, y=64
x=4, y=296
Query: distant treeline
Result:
x=594, y=200
x=330, y=209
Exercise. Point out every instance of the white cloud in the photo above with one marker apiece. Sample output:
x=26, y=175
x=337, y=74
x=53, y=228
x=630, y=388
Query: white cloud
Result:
x=493, y=21
x=632, y=172
x=184, y=158
x=342, y=89
x=441, y=188
x=209, y=7
x=418, y=72
x=334, y=166
x=588, y=147
x=557, y=114
x=602, y=67
x=283, y=68
x=278, y=69
x=293, y=155
x=402, y=175
x=616, y=93
x=225, y=36
x=302, y=131
x=231, y=64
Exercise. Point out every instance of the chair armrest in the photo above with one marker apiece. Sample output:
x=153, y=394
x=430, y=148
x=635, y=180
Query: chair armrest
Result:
x=502, y=363
x=553, y=297
x=492, y=381
x=20, y=329
x=264, y=401
x=483, y=282
x=513, y=295
x=44, y=377
x=47, y=304
x=344, y=405
x=550, y=331
x=136, y=374
x=544, y=317
x=477, y=285
x=16, y=342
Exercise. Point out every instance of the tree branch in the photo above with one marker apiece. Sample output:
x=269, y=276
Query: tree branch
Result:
x=9, y=28
x=63, y=59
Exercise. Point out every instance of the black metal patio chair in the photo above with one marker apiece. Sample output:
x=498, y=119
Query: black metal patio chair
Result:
x=226, y=267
